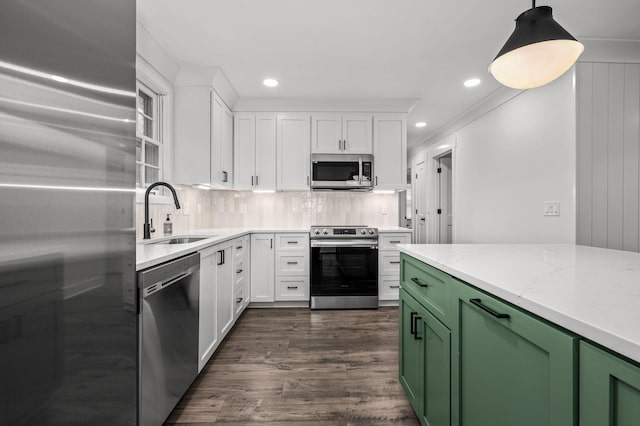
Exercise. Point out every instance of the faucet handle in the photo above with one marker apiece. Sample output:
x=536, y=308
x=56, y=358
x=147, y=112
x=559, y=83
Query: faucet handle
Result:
x=151, y=228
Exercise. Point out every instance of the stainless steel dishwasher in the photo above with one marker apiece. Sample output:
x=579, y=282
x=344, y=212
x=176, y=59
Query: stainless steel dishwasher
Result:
x=168, y=332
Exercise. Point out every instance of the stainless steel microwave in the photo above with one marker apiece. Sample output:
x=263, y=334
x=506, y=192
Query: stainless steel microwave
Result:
x=342, y=171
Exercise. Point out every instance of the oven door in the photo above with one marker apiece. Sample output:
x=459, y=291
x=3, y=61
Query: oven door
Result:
x=344, y=270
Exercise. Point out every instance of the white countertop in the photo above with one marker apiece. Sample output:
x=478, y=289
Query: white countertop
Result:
x=148, y=255
x=590, y=291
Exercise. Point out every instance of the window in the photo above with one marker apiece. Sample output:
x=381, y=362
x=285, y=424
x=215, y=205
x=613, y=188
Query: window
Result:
x=149, y=136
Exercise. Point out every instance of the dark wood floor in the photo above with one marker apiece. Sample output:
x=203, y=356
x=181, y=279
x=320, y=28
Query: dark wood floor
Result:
x=301, y=367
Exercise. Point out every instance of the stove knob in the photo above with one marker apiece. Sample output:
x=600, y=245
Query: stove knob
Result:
x=362, y=231
x=317, y=232
x=371, y=232
x=325, y=232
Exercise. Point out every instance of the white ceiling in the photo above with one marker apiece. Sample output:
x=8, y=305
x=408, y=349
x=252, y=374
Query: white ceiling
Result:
x=365, y=48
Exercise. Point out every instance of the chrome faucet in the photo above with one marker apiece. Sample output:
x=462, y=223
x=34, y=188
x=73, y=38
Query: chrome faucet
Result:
x=147, y=225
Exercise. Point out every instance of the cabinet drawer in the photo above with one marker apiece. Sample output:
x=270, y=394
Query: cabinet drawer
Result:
x=292, y=288
x=238, y=248
x=390, y=241
x=388, y=288
x=239, y=301
x=292, y=264
x=292, y=242
x=428, y=285
x=389, y=263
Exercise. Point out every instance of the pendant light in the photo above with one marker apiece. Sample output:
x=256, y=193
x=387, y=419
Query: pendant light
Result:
x=538, y=51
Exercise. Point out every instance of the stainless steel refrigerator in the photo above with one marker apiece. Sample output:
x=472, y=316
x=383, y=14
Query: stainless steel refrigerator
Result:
x=68, y=335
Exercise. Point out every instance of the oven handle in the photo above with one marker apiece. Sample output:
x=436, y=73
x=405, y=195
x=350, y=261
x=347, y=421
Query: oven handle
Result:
x=345, y=243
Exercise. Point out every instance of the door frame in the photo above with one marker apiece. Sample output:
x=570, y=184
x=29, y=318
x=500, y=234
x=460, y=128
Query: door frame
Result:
x=448, y=146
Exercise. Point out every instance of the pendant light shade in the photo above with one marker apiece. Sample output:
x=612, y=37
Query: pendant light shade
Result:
x=538, y=51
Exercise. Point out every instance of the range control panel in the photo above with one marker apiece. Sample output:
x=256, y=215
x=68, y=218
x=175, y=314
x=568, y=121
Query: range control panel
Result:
x=343, y=232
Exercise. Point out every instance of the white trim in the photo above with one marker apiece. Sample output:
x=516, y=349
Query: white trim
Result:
x=390, y=105
x=211, y=77
x=611, y=51
x=497, y=98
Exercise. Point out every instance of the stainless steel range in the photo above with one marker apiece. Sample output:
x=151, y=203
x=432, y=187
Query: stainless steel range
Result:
x=344, y=267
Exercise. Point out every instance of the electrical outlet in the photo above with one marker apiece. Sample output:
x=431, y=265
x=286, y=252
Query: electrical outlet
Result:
x=552, y=208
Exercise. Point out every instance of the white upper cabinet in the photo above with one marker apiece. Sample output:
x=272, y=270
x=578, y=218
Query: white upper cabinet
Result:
x=390, y=151
x=203, y=147
x=221, y=144
x=341, y=133
x=255, y=151
x=192, y=145
x=293, y=159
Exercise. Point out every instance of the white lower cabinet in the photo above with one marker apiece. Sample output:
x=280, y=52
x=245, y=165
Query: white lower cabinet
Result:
x=262, y=268
x=208, y=328
x=225, y=289
x=389, y=264
x=292, y=288
x=241, y=252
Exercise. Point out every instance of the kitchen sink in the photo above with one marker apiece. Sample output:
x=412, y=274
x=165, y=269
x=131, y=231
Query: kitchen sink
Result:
x=180, y=240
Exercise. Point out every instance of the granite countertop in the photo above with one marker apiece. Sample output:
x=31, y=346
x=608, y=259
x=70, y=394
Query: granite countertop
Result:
x=590, y=291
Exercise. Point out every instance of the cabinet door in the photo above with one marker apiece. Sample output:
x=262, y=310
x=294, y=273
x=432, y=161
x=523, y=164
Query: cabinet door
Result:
x=226, y=148
x=410, y=351
x=192, y=126
x=388, y=287
x=326, y=134
x=511, y=368
x=262, y=268
x=436, y=373
x=244, y=141
x=265, y=149
x=609, y=389
x=293, y=151
x=246, y=243
x=224, y=301
x=216, y=141
x=208, y=328
x=390, y=151
x=356, y=134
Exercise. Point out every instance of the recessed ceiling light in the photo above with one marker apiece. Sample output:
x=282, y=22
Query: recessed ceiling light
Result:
x=421, y=124
x=270, y=82
x=472, y=82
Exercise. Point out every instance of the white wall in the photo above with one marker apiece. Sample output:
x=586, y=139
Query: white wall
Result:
x=511, y=160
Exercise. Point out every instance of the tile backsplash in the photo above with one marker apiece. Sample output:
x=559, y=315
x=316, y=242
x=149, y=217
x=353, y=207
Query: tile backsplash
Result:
x=230, y=209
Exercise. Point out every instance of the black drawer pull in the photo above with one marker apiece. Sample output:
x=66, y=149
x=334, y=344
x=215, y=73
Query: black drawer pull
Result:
x=394, y=242
x=238, y=247
x=292, y=242
x=415, y=327
x=419, y=282
x=394, y=262
x=292, y=287
x=239, y=271
x=394, y=286
x=490, y=311
x=413, y=323
x=239, y=299
x=292, y=263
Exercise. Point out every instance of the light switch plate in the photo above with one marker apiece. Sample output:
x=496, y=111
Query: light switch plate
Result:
x=552, y=208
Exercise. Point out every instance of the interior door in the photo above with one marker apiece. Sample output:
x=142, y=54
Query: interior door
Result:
x=444, y=195
x=419, y=199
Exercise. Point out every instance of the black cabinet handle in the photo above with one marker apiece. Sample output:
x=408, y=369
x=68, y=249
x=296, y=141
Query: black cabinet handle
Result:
x=271, y=243
x=221, y=258
x=394, y=242
x=239, y=271
x=415, y=327
x=292, y=242
x=394, y=262
x=292, y=287
x=413, y=324
x=239, y=299
x=419, y=282
x=225, y=176
x=251, y=180
x=487, y=309
x=292, y=263
x=394, y=286
x=238, y=247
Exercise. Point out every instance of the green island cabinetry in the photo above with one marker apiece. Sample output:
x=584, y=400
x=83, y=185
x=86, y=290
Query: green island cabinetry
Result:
x=609, y=389
x=480, y=361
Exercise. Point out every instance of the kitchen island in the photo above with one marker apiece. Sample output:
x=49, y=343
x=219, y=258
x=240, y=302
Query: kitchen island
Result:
x=544, y=332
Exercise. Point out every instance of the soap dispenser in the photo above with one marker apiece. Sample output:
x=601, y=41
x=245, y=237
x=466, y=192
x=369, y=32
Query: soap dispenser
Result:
x=168, y=226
